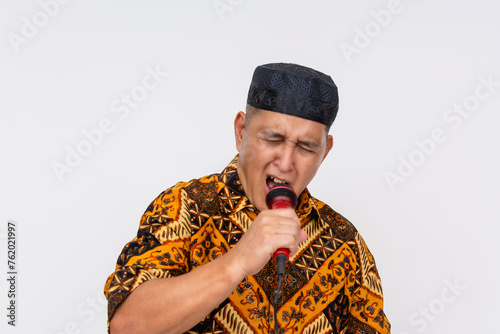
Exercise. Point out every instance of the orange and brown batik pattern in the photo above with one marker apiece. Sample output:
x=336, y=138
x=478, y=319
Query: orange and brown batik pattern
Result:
x=330, y=286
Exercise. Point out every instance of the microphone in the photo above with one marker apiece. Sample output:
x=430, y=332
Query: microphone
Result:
x=281, y=196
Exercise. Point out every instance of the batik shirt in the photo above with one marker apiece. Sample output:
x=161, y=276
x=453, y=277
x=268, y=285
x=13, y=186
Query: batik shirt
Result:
x=331, y=285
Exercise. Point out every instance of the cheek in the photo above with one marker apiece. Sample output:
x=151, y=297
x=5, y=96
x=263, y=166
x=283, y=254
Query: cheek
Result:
x=309, y=171
x=256, y=155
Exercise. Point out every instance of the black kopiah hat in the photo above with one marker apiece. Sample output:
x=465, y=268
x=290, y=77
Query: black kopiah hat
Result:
x=294, y=90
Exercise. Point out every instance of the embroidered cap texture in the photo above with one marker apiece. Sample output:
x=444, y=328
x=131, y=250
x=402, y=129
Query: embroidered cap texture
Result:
x=294, y=90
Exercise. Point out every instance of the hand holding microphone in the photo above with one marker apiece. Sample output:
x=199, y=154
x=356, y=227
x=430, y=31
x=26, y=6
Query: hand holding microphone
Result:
x=270, y=230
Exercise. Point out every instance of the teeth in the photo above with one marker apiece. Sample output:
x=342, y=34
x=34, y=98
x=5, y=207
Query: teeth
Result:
x=277, y=180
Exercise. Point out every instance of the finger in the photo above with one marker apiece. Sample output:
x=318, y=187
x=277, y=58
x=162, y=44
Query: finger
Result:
x=303, y=236
x=287, y=213
x=284, y=217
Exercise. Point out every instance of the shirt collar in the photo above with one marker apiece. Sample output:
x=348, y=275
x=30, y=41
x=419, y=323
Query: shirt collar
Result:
x=230, y=190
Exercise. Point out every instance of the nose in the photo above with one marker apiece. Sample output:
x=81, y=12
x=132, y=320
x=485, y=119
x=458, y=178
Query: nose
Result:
x=285, y=158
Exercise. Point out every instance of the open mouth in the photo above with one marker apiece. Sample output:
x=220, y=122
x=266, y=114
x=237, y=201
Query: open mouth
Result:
x=272, y=181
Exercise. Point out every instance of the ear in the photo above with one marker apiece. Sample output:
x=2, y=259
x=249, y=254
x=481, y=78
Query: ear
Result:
x=329, y=145
x=239, y=128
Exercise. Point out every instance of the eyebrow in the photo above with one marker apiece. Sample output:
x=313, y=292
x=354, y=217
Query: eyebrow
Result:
x=273, y=134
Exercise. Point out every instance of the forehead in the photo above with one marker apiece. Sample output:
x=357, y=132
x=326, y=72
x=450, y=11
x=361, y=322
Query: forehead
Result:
x=292, y=127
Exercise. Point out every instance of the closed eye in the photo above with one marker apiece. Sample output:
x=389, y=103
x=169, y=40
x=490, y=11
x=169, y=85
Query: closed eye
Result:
x=275, y=138
x=272, y=140
x=309, y=146
x=271, y=137
x=306, y=149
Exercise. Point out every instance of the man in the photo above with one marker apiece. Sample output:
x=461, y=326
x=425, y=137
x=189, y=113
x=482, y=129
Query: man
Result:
x=200, y=262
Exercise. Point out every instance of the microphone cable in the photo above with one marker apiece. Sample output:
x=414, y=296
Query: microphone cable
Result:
x=276, y=323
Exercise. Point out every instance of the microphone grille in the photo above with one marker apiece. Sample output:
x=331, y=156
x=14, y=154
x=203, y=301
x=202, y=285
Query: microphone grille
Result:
x=281, y=192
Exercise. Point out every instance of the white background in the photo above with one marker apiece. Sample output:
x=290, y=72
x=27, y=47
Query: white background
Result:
x=414, y=60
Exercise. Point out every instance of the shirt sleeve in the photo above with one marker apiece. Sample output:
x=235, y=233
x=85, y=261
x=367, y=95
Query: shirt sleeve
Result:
x=160, y=249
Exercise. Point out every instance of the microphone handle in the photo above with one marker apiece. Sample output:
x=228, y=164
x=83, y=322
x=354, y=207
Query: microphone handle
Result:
x=280, y=257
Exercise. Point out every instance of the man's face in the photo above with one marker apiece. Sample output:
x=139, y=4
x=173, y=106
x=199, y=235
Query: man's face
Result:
x=275, y=147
